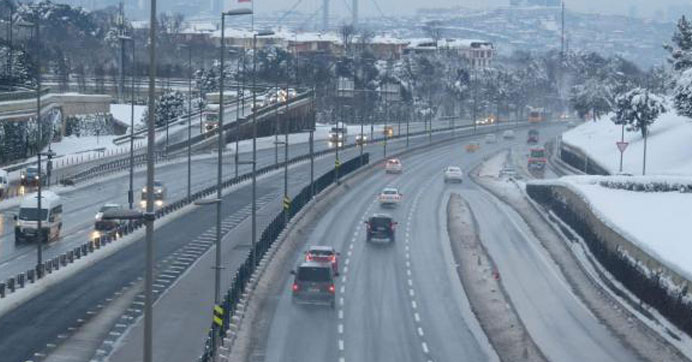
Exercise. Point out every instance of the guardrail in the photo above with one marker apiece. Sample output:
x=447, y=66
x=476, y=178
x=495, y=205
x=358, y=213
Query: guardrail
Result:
x=21, y=95
x=226, y=311
x=33, y=275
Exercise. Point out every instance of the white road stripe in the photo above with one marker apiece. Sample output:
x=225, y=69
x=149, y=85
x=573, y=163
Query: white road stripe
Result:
x=341, y=314
x=341, y=345
x=420, y=331
x=425, y=348
x=416, y=317
x=341, y=328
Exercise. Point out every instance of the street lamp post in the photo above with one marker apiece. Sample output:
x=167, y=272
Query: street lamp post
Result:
x=221, y=144
x=189, y=119
x=130, y=191
x=254, y=141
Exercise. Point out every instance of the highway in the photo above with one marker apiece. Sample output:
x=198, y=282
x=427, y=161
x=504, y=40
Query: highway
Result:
x=403, y=301
x=63, y=307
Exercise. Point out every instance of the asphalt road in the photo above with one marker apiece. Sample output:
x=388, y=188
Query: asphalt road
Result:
x=82, y=203
x=401, y=301
x=32, y=326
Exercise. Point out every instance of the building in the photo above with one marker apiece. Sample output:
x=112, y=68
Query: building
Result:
x=479, y=53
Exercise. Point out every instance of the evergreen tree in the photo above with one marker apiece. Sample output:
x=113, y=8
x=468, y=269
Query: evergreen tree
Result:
x=681, y=50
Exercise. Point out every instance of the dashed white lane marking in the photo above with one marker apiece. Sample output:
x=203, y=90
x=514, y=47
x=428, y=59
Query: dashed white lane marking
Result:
x=341, y=314
x=420, y=331
x=416, y=316
x=341, y=328
x=341, y=345
x=343, y=279
x=410, y=283
x=346, y=269
x=425, y=348
x=348, y=260
x=341, y=359
x=408, y=272
x=341, y=301
x=411, y=293
x=343, y=289
x=413, y=304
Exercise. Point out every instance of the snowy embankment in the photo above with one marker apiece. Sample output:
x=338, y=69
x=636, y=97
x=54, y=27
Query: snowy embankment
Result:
x=123, y=113
x=656, y=222
x=668, y=145
x=649, y=211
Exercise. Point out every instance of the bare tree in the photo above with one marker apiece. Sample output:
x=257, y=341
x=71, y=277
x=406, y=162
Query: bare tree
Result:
x=433, y=29
x=347, y=32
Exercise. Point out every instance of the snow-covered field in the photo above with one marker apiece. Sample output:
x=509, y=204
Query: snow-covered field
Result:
x=668, y=149
x=657, y=222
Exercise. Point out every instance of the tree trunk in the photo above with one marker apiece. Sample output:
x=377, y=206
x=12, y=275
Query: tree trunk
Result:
x=646, y=132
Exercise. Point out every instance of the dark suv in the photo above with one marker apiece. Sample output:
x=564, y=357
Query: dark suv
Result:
x=314, y=284
x=380, y=226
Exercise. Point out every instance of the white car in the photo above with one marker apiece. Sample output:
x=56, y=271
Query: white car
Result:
x=389, y=197
x=393, y=165
x=453, y=174
x=490, y=138
x=508, y=134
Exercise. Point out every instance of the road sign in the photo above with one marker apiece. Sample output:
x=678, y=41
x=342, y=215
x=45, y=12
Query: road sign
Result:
x=287, y=202
x=218, y=315
x=622, y=146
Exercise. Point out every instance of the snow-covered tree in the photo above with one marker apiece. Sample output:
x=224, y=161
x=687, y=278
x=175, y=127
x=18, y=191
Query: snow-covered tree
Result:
x=681, y=49
x=591, y=97
x=169, y=106
x=682, y=95
x=638, y=109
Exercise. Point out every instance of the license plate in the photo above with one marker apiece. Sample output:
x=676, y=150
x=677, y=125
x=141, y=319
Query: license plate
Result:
x=314, y=290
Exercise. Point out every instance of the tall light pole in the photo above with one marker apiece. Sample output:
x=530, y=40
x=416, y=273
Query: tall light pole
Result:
x=149, y=214
x=189, y=118
x=221, y=144
x=130, y=191
x=254, y=141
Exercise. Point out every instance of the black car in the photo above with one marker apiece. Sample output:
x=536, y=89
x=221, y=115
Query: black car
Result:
x=314, y=284
x=380, y=226
x=30, y=176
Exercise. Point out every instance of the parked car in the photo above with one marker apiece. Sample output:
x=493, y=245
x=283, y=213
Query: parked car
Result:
x=314, y=284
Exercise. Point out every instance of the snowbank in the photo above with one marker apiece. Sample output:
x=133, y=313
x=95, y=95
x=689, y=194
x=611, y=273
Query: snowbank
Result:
x=657, y=222
x=123, y=112
x=668, y=149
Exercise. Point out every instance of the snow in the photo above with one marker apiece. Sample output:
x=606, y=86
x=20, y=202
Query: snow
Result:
x=668, y=151
x=656, y=222
x=122, y=113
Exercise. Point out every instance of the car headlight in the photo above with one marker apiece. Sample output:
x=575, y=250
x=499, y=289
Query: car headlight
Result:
x=36, y=177
x=142, y=204
x=158, y=203
x=98, y=216
x=95, y=234
x=22, y=176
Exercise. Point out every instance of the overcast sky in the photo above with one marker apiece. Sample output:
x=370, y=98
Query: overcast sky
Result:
x=641, y=8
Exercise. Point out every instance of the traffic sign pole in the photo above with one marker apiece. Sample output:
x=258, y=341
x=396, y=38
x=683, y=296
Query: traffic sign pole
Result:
x=622, y=146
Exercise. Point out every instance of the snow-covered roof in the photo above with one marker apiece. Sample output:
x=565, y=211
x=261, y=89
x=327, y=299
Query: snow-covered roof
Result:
x=388, y=39
x=198, y=28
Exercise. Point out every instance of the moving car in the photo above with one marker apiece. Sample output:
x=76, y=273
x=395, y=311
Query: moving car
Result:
x=338, y=135
x=159, y=195
x=533, y=136
x=490, y=138
x=50, y=214
x=388, y=131
x=537, y=159
x=314, y=284
x=380, y=226
x=361, y=139
x=389, y=197
x=393, y=165
x=324, y=254
x=3, y=182
x=103, y=227
x=30, y=176
x=453, y=174
x=508, y=134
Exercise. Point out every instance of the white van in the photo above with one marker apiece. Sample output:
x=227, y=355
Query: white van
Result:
x=26, y=222
x=3, y=183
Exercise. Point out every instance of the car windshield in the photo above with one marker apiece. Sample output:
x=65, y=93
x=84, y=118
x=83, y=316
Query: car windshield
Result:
x=390, y=192
x=32, y=171
x=32, y=214
x=454, y=169
x=108, y=207
x=380, y=221
x=314, y=274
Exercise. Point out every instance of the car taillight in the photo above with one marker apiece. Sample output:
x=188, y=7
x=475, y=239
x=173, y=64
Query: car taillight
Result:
x=295, y=287
x=332, y=258
x=332, y=289
x=308, y=257
x=391, y=225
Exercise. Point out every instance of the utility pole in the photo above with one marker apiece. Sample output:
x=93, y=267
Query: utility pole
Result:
x=121, y=31
x=562, y=35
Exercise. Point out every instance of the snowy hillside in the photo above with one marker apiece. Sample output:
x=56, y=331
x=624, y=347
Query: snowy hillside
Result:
x=668, y=151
